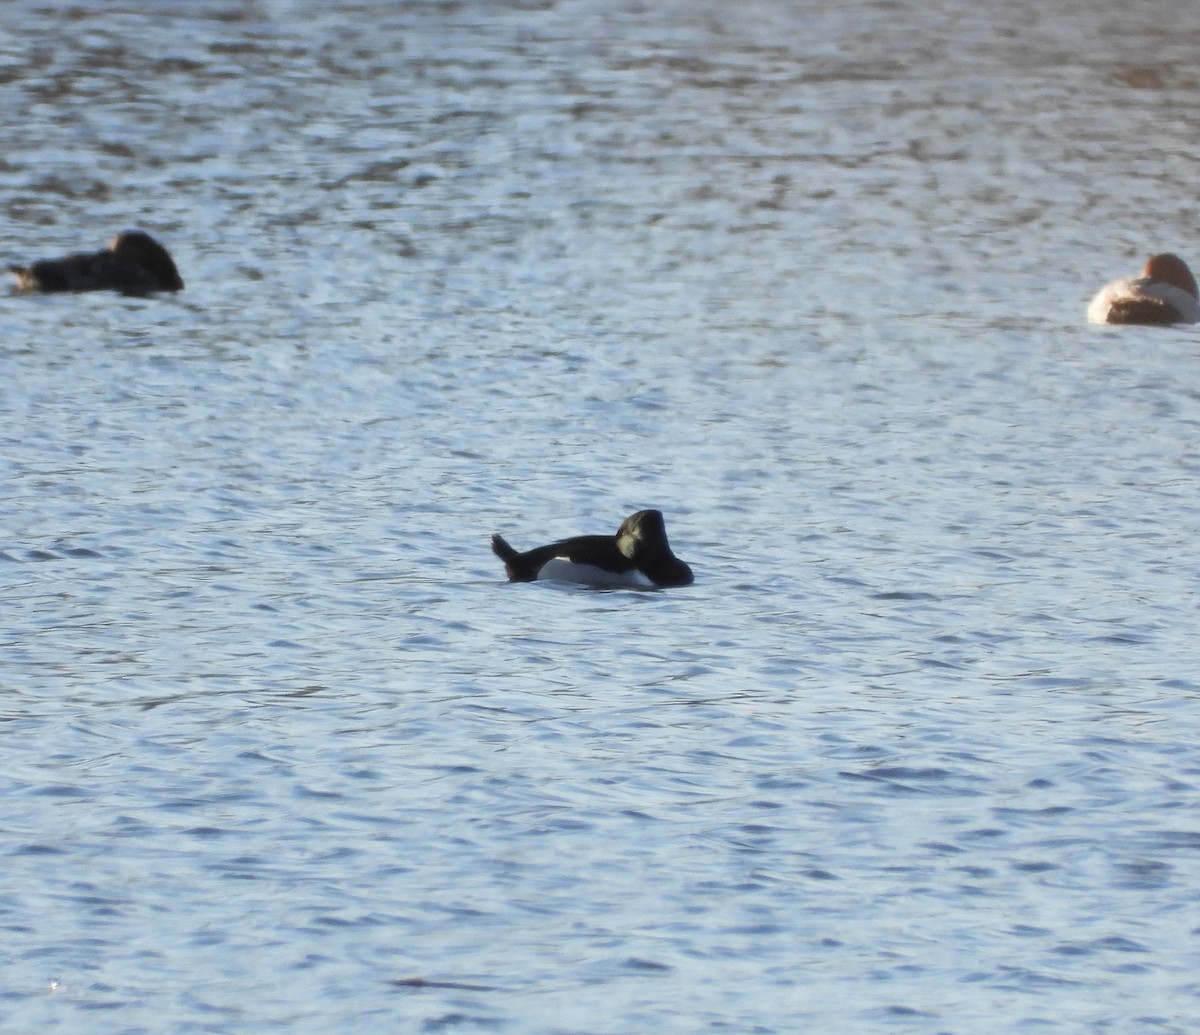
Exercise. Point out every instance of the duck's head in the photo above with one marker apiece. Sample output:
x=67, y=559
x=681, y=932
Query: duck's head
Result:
x=141, y=249
x=1171, y=269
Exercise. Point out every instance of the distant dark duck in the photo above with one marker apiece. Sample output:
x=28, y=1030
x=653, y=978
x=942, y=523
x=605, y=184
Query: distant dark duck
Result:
x=134, y=263
x=1165, y=293
x=638, y=556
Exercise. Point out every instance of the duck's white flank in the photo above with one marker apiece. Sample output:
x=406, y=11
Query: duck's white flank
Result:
x=563, y=570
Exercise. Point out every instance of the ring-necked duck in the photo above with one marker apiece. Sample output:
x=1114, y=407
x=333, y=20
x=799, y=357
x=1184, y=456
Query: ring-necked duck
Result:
x=637, y=556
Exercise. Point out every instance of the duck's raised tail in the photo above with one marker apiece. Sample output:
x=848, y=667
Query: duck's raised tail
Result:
x=508, y=555
x=502, y=550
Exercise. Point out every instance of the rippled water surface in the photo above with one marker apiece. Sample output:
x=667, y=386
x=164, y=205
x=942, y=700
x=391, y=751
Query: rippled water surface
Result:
x=917, y=752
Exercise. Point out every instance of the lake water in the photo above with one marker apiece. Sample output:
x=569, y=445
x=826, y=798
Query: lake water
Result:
x=917, y=752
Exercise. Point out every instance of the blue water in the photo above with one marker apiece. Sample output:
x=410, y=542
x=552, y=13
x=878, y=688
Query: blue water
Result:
x=283, y=752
